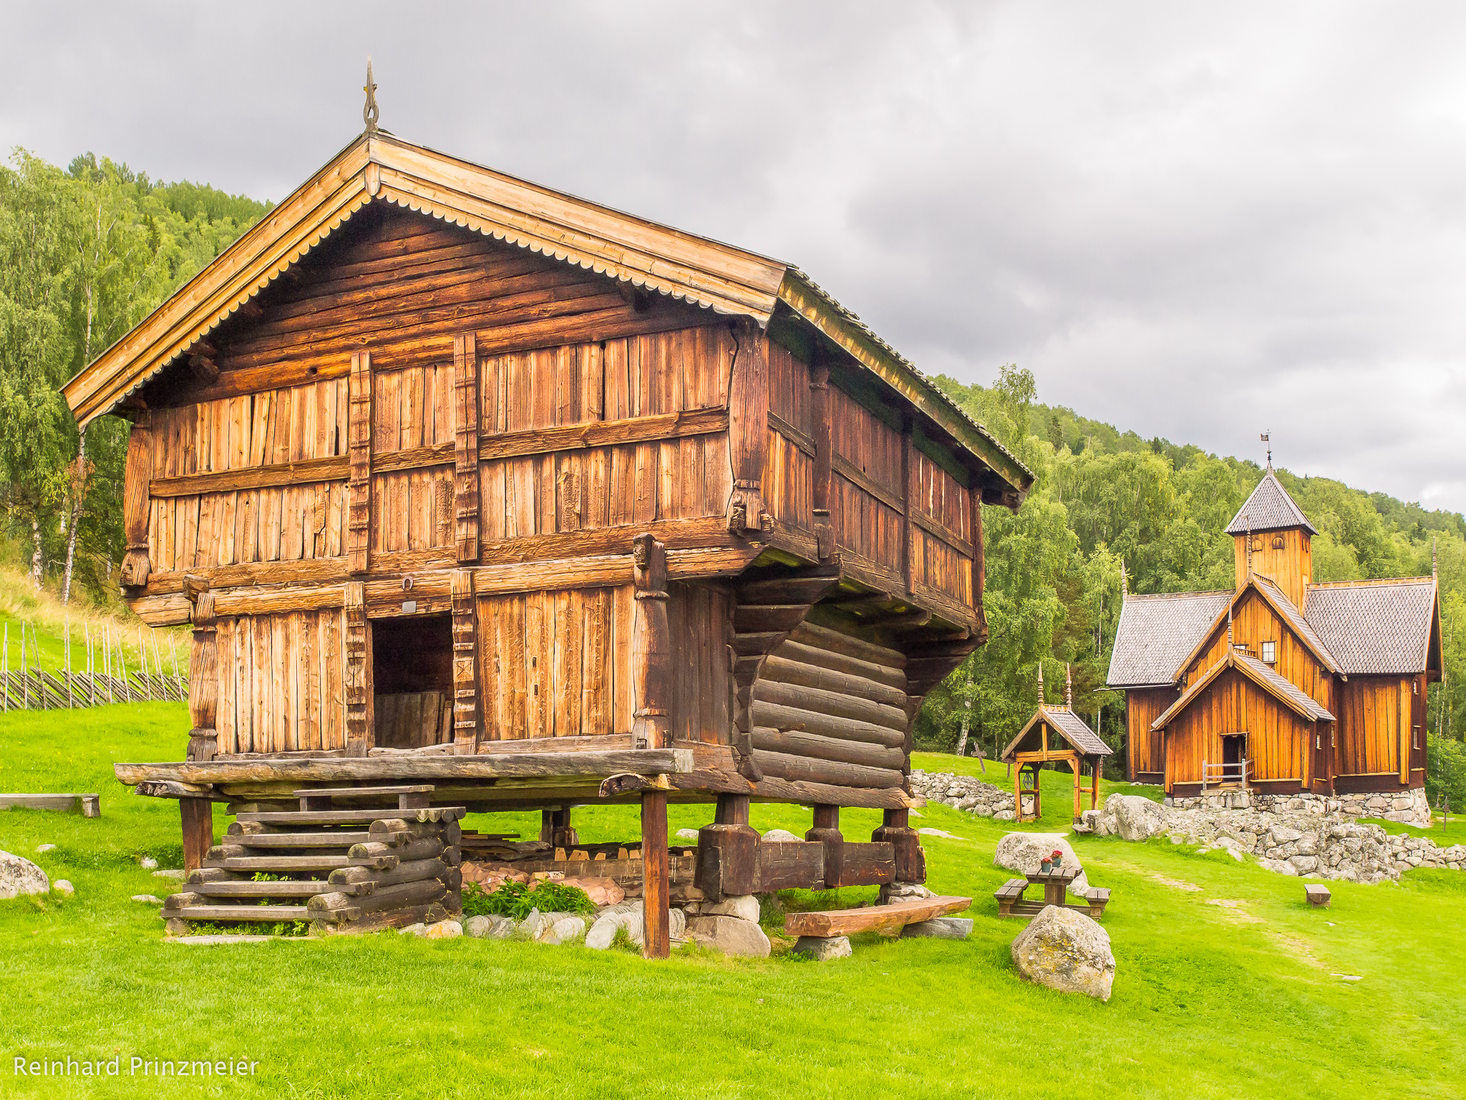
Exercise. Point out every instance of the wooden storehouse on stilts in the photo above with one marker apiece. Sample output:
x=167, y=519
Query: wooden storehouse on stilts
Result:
x=1054, y=735
x=471, y=485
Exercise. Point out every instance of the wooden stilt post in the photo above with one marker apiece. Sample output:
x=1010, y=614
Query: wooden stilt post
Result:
x=651, y=660
x=1094, y=785
x=727, y=851
x=555, y=828
x=910, y=859
x=203, y=673
x=198, y=830
x=656, y=876
x=827, y=832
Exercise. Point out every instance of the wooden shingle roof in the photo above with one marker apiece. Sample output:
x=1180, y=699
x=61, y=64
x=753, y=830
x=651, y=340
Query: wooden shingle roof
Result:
x=1072, y=728
x=379, y=167
x=1156, y=633
x=1260, y=674
x=1269, y=508
x=1376, y=628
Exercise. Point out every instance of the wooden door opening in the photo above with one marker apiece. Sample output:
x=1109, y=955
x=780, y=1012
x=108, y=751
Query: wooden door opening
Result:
x=1234, y=759
x=412, y=681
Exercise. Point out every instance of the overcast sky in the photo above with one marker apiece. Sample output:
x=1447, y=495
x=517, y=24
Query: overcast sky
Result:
x=1195, y=221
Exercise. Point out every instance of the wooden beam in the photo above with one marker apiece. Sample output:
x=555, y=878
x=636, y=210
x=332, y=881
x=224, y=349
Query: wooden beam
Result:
x=466, y=720
x=136, y=504
x=748, y=428
x=466, y=417
x=871, y=918
x=359, y=481
x=819, y=387
x=588, y=765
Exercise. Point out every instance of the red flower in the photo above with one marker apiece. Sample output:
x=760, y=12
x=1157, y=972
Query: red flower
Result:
x=1057, y=854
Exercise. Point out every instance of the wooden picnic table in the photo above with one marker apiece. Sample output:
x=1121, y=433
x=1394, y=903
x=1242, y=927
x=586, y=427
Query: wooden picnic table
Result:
x=1011, y=902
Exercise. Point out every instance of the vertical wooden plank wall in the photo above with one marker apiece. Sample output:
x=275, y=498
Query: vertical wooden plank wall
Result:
x=465, y=448
x=135, y=507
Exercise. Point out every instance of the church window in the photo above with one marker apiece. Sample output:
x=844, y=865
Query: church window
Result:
x=1277, y=542
x=1270, y=652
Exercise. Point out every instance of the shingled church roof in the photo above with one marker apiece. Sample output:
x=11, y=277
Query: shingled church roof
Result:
x=1269, y=508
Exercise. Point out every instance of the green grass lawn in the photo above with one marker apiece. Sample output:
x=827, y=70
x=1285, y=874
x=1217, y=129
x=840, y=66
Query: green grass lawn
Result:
x=1228, y=984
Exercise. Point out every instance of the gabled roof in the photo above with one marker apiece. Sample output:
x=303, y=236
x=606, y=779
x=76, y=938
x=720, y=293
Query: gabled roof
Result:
x=1269, y=508
x=1260, y=674
x=1156, y=633
x=1072, y=728
x=379, y=167
x=1379, y=628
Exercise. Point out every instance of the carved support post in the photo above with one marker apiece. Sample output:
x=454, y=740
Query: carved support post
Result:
x=910, y=495
x=465, y=447
x=359, y=467
x=555, y=828
x=651, y=656
x=357, y=680
x=827, y=832
x=466, y=724
x=819, y=386
x=748, y=429
x=203, y=673
x=135, y=502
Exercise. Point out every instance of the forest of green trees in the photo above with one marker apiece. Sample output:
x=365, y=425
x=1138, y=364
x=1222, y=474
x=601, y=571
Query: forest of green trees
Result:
x=89, y=250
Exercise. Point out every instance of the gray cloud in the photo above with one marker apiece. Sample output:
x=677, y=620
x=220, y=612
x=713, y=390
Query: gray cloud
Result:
x=1196, y=221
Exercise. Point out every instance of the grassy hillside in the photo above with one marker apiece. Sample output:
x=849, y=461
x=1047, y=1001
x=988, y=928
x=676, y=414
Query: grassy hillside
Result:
x=1227, y=983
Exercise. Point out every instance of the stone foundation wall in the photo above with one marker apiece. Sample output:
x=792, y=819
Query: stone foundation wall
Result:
x=1289, y=834
x=1409, y=807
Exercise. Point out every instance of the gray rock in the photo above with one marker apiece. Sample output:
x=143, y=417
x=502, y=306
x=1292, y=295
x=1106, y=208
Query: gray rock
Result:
x=636, y=928
x=1067, y=951
x=62, y=886
x=410, y=930
x=945, y=928
x=489, y=927
x=45, y=848
x=173, y=874
x=1304, y=864
x=1136, y=818
x=905, y=891
x=148, y=863
x=729, y=935
x=743, y=906
x=444, y=930
x=822, y=948
x=564, y=930
x=687, y=834
x=20, y=876
x=1023, y=852
x=941, y=833
x=603, y=932
x=780, y=834
x=147, y=899
x=532, y=925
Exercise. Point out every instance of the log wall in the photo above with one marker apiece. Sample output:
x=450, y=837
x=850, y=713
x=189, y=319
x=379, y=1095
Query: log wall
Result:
x=831, y=708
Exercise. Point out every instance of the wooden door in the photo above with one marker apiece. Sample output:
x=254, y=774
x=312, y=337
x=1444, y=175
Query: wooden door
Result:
x=1321, y=778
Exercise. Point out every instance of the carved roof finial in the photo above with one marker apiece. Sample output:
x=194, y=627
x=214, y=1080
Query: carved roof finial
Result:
x=369, y=111
x=1040, y=683
x=1068, y=688
x=1267, y=441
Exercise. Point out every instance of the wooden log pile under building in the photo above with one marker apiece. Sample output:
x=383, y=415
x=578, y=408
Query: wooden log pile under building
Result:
x=468, y=483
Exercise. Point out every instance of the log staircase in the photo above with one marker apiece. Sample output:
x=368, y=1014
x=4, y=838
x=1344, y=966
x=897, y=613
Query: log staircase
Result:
x=343, y=862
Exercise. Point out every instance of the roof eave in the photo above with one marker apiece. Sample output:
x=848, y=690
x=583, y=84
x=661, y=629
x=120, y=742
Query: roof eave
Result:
x=1012, y=480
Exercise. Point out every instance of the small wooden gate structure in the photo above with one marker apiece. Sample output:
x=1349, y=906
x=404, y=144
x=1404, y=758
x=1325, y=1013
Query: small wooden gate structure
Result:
x=1054, y=735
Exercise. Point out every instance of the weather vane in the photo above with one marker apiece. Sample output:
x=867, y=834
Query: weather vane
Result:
x=1266, y=437
x=369, y=112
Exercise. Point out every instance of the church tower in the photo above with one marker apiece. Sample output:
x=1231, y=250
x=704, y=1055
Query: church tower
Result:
x=1274, y=539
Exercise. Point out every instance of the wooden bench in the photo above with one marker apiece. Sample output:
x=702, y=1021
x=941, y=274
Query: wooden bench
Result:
x=88, y=805
x=1011, y=902
x=1317, y=894
x=891, y=917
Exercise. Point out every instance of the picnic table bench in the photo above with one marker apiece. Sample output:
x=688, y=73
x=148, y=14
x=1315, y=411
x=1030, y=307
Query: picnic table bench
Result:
x=1012, y=903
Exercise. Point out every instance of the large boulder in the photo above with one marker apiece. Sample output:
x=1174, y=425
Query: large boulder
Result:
x=1065, y=950
x=21, y=876
x=1136, y=818
x=1022, y=852
x=729, y=935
